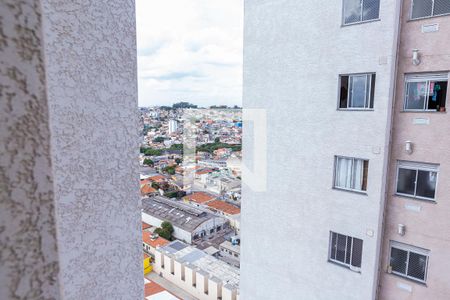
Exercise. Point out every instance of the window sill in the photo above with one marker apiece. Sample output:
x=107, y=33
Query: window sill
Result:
x=423, y=111
x=344, y=266
x=350, y=191
x=433, y=201
x=355, y=109
x=412, y=280
x=361, y=22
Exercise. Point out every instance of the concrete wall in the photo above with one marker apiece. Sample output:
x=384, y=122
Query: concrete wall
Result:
x=427, y=223
x=70, y=219
x=294, y=52
x=28, y=243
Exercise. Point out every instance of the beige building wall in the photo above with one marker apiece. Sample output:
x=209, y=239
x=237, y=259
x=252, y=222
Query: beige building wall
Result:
x=427, y=223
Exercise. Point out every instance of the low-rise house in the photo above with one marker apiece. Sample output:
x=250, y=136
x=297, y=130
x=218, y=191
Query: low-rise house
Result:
x=231, y=212
x=151, y=241
x=230, y=250
x=199, y=199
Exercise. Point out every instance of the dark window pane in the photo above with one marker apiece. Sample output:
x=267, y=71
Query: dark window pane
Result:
x=417, y=265
x=406, y=181
x=358, y=91
x=416, y=95
x=441, y=7
x=341, y=246
x=343, y=94
x=426, y=184
x=398, y=260
x=437, y=94
x=372, y=90
x=365, y=172
x=333, y=245
x=352, y=11
x=421, y=8
x=349, y=250
x=357, y=252
x=371, y=9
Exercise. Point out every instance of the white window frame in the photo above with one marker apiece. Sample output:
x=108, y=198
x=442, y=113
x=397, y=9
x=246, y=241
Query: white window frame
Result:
x=367, y=91
x=426, y=17
x=330, y=249
x=416, y=167
x=336, y=157
x=361, y=21
x=427, y=78
x=409, y=249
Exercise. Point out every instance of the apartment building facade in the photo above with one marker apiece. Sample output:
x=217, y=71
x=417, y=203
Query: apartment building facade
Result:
x=328, y=72
x=416, y=248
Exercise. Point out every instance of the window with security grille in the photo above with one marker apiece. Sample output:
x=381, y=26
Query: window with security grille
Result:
x=429, y=8
x=356, y=11
x=345, y=250
x=351, y=173
x=356, y=91
x=417, y=180
x=409, y=261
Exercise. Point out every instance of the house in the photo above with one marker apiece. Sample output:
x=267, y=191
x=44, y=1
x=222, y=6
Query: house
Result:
x=198, y=198
x=152, y=241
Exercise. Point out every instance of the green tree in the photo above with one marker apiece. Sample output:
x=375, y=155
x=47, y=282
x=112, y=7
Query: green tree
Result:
x=217, y=140
x=170, y=170
x=178, y=160
x=159, y=139
x=152, y=152
x=165, y=231
x=148, y=162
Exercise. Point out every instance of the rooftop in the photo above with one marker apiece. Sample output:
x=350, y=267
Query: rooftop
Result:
x=189, y=255
x=224, y=207
x=181, y=215
x=199, y=197
x=159, y=241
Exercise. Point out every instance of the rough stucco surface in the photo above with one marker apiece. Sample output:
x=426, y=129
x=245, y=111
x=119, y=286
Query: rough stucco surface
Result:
x=28, y=254
x=91, y=70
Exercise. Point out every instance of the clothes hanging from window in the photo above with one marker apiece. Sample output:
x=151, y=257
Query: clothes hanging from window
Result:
x=436, y=89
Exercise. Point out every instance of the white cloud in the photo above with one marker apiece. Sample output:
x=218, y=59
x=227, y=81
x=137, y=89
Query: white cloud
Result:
x=189, y=50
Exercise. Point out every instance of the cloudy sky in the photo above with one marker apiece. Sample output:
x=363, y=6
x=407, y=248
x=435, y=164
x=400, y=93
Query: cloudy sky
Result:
x=189, y=50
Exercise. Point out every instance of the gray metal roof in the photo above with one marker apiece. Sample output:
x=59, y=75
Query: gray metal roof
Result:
x=179, y=214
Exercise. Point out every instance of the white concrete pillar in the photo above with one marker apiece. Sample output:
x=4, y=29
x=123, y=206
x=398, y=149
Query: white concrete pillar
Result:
x=179, y=272
x=202, y=284
x=69, y=180
x=228, y=292
x=167, y=263
x=214, y=288
x=190, y=277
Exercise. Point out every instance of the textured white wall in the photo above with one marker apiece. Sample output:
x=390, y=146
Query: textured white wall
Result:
x=294, y=52
x=90, y=55
x=28, y=254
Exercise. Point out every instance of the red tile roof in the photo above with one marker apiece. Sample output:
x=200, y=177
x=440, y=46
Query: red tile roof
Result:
x=157, y=178
x=146, y=226
x=147, y=189
x=224, y=207
x=159, y=241
x=206, y=171
x=153, y=288
x=199, y=197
